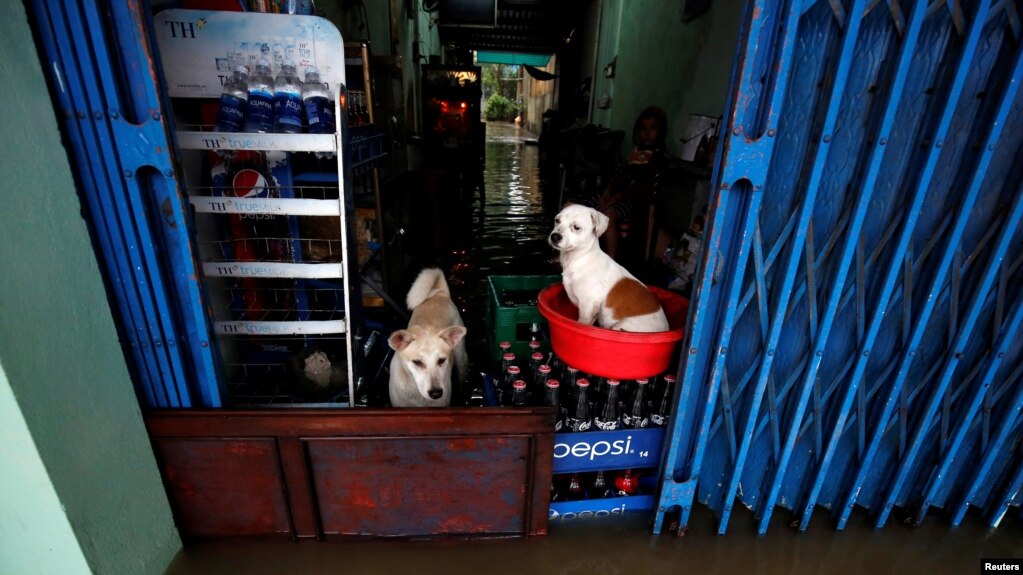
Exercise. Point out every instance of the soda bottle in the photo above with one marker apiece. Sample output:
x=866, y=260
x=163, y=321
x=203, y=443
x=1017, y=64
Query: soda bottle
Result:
x=287, y=100
x=555, y=492
x=535, y=361
x=233, y=101
x=575, y=489
x=637, y=416
x=510, y=377
x=543, y=373
x=662, y=413
x=518, y=393
x=579, y=419
x=570, y=388
x=626, y=483
x=608, y=418
x=534, y=343
x=507, y=360
x=551, y=399
x=260, y=117
x=601, y=489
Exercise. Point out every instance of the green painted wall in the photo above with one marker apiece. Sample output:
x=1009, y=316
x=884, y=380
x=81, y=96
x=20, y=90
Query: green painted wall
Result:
x=35, y=536
x=681, y=67
x=61, y=357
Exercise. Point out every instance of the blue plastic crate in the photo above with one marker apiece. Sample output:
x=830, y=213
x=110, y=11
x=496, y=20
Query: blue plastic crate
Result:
x=596, y=450
x=566, y=511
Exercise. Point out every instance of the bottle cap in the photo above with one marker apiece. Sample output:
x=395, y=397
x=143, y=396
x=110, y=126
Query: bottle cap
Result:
x=544, y=368
x=288, y=64
x=311, y=70
x=582, y=382
x=536, y=356
x=553, y=383
x=533, y=344
x=514, y=369
x=242, y=69
x=670, y=378
x=262, y=62
x=508, y=356
x=613, y=382
x=519, y=384
x=504, y=345
x=572, y=369
x=642, y=381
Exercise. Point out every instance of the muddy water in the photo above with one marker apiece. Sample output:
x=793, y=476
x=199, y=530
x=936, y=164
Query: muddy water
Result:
x=625, y=546
x=508, y=238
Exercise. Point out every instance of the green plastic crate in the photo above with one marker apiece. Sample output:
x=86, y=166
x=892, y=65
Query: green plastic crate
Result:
x=512, y=323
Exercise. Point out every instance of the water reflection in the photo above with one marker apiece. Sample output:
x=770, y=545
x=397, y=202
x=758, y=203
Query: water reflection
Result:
x=508, y=236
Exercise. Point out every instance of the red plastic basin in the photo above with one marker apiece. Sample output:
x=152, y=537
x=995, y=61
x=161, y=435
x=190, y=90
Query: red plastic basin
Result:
x=607, y=353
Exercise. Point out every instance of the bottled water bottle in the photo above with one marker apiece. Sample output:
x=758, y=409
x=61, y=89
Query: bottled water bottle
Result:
x=288, y=100
x=316, y=101
x=260, y=117
x=233, y=101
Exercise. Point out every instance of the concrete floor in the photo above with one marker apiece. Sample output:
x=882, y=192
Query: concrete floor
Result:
x=508, y=238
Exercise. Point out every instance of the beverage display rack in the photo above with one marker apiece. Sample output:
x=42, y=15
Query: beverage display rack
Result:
x=275, y=249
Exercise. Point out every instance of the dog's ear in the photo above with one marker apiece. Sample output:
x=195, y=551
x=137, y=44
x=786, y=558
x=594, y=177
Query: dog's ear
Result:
x=454, y=334
x=600, y=222
x=400, y=339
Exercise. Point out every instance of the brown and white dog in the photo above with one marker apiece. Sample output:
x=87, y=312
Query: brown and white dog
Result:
x=595, y=283
x=431, y=350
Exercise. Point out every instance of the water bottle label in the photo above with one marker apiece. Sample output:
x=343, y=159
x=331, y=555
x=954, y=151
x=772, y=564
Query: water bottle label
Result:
x=288, y=110
x=231, y=115
x=577, y=424
x=605, y=425
x=315, y=109
x=261, y=112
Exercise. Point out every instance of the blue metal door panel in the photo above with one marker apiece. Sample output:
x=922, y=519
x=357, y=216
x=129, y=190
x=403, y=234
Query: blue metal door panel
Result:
x=105, y=85
x=856, y=333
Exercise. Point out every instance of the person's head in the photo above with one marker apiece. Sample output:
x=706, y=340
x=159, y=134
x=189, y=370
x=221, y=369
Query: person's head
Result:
x=651, y=129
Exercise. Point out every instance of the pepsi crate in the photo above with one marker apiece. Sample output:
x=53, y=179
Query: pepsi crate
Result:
x=597, y=450
x=511, y=309
x=562, y=512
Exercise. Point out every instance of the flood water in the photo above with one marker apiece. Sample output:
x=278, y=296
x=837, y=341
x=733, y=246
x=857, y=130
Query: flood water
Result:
x=625, y=546
x=507, y=237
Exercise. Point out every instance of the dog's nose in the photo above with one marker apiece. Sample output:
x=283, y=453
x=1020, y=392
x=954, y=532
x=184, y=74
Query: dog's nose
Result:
x=436, y=393
x=556, y=238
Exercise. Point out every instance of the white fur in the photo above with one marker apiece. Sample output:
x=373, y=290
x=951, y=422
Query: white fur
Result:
x=589, y=274
x=431, y=349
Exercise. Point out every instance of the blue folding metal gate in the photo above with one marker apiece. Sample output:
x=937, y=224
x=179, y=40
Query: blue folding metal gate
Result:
x=105, y=86
x=855, y=335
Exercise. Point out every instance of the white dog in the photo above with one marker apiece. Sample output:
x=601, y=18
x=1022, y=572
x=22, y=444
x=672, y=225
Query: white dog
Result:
x=431, y=349
x=595, y=283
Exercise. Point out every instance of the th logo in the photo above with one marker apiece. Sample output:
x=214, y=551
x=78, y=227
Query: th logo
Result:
x=181, y=29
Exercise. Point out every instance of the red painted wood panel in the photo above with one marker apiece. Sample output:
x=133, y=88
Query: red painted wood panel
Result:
x=416, y=486
x=310, y=473
x=225, y=487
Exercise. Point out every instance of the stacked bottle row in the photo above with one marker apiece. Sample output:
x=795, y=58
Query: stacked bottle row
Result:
x=358, y=110
x=595, y=485
x=262, y=103
x=581, y=402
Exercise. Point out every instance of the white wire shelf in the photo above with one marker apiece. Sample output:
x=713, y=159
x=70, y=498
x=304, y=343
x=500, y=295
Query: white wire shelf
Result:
x=265, y=206
x=274, y=270
x=275, y=328
x=203, y=138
